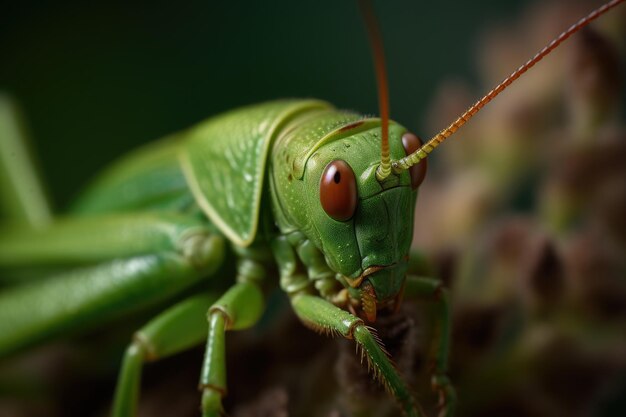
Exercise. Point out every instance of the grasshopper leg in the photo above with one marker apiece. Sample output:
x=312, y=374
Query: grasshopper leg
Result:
x=325, y=317
x=154, y=258
x=98, y=238
x=22, y=194
x=90, y=296
x=176, y=329
x=432, y=289
x=239, y=308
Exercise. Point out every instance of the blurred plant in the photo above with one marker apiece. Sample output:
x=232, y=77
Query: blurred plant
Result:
x=530, y=228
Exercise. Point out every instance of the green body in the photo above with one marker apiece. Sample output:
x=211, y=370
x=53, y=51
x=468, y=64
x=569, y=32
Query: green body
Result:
x=160, y=220
x=261, y=165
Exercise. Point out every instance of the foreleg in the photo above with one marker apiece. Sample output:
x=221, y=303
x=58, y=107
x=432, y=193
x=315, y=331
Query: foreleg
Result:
x=323, y=316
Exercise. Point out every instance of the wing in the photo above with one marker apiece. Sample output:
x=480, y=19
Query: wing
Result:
x=224, y=162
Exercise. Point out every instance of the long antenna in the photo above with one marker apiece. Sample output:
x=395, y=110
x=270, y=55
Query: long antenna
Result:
x=384, y=169
x=428, y=147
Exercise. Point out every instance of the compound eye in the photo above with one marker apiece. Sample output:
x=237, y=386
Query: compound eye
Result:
x=411, y=143
x=338, y=191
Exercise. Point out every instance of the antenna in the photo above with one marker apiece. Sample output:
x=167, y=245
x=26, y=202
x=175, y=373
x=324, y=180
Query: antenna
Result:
x=428, y=147
x=384, y=169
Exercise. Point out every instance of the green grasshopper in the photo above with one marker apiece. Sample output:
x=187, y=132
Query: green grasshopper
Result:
x=325, y=195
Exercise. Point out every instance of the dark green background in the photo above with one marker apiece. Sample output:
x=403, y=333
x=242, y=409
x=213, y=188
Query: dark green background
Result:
x=97, y=78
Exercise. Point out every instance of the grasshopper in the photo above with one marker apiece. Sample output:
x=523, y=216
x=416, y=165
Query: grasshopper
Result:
x=326, y=196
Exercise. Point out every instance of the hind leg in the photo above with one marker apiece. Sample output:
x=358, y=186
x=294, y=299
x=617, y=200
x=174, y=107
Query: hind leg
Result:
x=21, y=191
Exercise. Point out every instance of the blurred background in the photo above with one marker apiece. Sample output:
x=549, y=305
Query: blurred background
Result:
x=523, y=215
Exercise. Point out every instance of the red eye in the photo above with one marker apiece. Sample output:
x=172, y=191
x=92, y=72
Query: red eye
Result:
x=338, y=191
x=412, y=143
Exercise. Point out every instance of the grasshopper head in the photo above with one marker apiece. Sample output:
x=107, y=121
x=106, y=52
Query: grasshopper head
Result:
x=363, y=226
